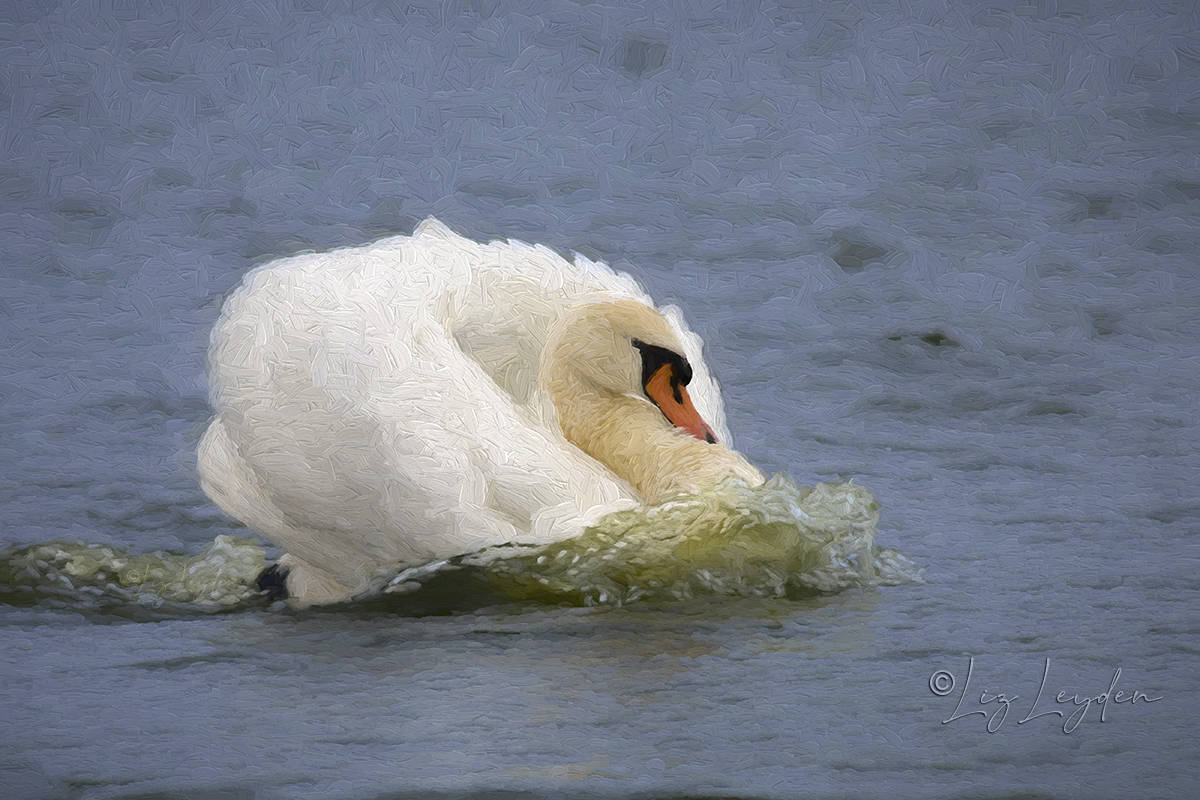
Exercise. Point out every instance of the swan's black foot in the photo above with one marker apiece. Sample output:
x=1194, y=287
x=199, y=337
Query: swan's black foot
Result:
x=272, y=582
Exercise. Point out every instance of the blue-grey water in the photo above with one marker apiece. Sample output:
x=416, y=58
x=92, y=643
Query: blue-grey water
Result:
x=950, y=251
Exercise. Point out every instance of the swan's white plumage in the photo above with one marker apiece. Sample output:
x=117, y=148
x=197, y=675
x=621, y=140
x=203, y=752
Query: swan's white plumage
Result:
x=380, y=406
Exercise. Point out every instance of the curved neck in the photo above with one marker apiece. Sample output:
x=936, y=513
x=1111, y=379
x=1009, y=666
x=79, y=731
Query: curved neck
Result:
x=633, y=439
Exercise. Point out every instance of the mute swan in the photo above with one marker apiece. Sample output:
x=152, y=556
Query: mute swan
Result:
x=426, y=396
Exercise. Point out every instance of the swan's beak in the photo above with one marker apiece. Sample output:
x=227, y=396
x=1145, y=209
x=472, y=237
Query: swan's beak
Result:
x=671, y=396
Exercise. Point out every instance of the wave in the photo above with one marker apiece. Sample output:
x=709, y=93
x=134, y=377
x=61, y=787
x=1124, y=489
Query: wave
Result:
x=774, y=540
x=89, y=575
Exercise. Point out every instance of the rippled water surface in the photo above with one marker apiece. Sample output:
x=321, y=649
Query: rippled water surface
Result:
x=944, y=256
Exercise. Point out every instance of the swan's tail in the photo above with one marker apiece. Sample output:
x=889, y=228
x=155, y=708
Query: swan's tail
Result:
x=232, y=484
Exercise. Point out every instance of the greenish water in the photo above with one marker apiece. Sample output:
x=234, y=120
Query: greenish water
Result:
x=767, y=541
x=775, y=540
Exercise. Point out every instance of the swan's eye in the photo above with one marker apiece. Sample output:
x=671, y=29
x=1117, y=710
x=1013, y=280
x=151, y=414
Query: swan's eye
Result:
x=655, y=357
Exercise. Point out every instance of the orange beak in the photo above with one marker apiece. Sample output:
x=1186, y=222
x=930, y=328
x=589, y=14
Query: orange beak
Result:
x=671, y=396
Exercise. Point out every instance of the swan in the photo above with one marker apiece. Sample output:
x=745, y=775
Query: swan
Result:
x=426, y=396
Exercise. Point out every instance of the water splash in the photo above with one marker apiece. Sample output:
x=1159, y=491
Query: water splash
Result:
x=764, y=541
x=84, y=574
x=774, y=540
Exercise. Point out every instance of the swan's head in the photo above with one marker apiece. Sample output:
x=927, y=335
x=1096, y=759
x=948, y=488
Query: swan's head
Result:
x=622, y=348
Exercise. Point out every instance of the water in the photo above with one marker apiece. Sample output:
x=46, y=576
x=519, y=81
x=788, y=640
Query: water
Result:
x=949, y=253
x=732, y=540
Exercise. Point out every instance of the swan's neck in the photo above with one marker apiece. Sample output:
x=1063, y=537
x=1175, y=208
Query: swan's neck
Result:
x=633, y=439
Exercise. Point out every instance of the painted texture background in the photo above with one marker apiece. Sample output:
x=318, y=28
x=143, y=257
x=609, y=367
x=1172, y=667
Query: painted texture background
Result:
x=947, y=249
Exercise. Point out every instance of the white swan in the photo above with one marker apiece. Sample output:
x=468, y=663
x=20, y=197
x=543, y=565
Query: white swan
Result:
x=426, y=396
